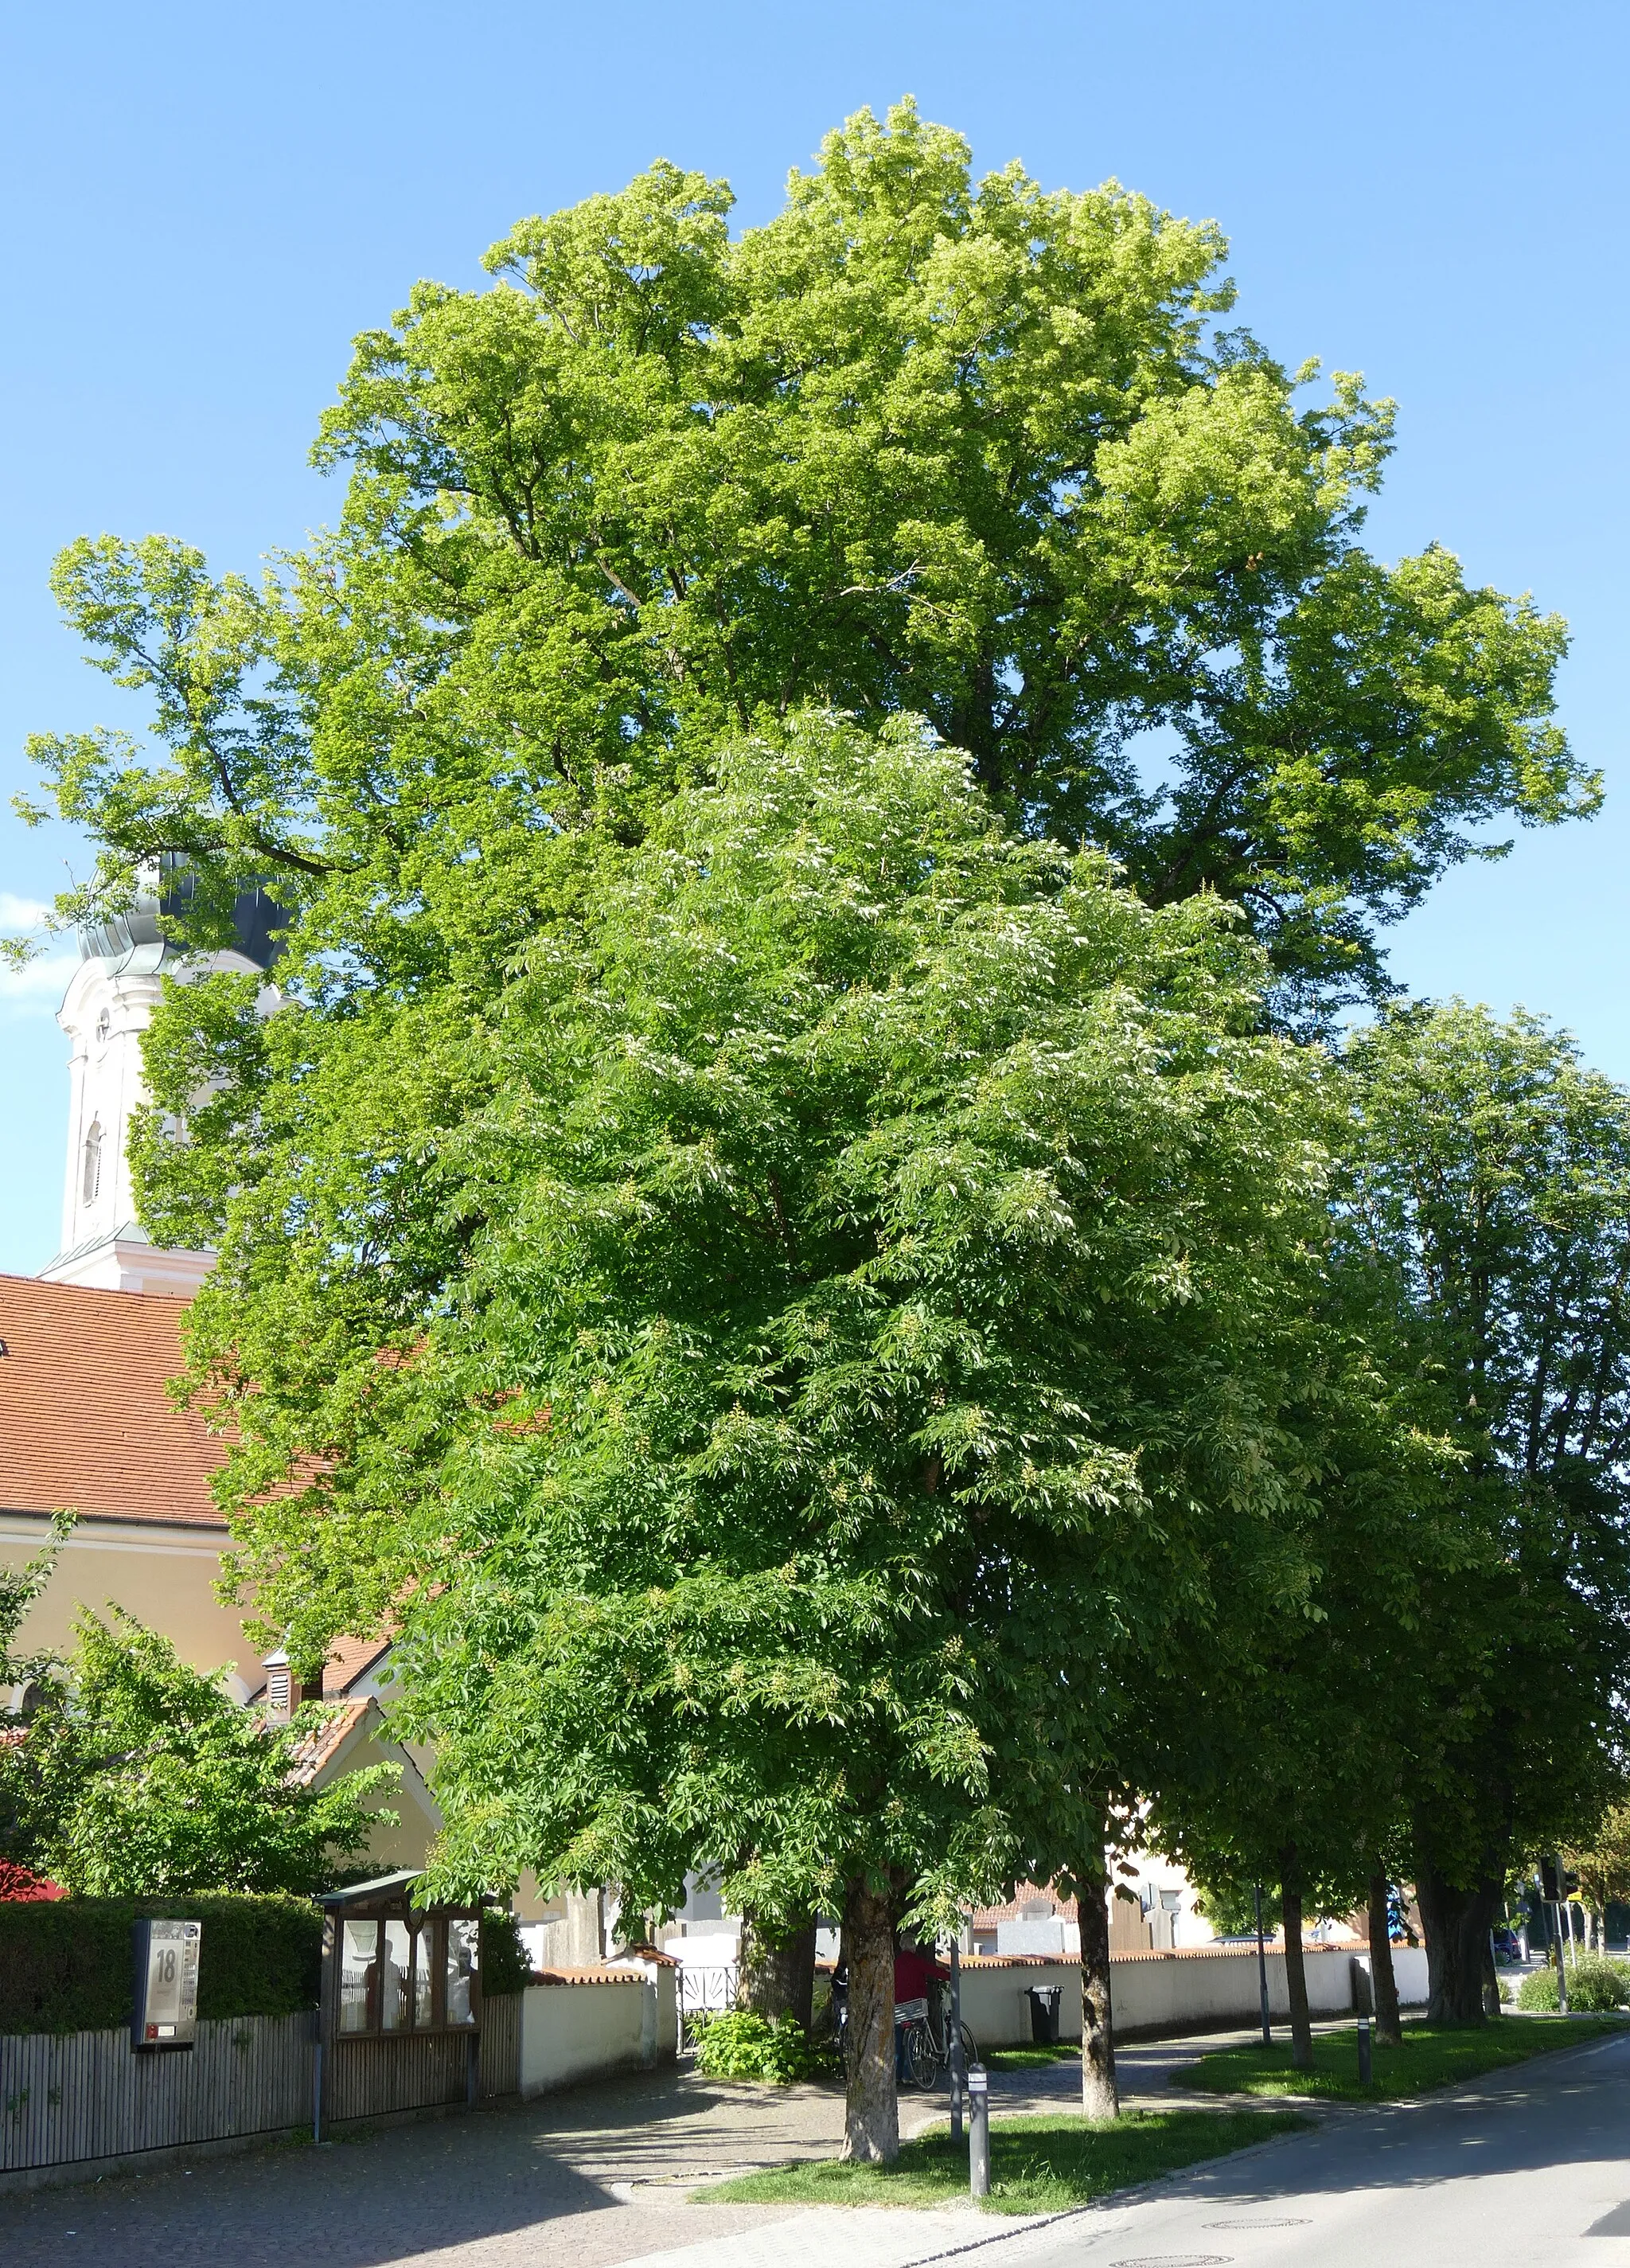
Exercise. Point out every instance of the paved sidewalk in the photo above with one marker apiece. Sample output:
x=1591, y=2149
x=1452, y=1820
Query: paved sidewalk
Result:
x=852, y=2236
x=589, y=2179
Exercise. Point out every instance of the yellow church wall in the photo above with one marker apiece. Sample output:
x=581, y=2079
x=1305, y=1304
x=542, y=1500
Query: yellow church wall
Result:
x=162, y=1574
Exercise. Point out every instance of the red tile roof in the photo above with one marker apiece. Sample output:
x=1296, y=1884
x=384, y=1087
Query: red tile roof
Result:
x=1030, y=1902
x=350, y=1658
x=599, y=1976
x=321, y=1746
x=85, y=1420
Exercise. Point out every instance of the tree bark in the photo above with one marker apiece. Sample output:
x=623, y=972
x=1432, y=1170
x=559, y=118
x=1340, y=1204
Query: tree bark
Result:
x=871, y=2106
x=1100, y=2097
x=1389, y=2024
x=1456, y=1923
x=777, y=1975
x=1296, y=1973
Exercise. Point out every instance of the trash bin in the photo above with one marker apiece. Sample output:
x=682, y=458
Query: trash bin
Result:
x=1044, y=2013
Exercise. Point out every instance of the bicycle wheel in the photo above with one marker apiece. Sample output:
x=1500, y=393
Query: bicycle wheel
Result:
x=922, y=2065
x=969, y=2049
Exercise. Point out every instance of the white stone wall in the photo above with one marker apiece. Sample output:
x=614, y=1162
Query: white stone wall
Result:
x=590, y=2029
x=1168, y=1993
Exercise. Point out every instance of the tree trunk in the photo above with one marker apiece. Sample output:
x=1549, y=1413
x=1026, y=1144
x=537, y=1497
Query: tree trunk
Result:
x=1456, y=1924
x=1296, y=1973
x=871, y=2107
x=1388, y=2025
x=778, y=1971
x=1100, y=2097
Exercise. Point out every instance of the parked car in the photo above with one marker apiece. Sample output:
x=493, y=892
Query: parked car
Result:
x=1508, y=1947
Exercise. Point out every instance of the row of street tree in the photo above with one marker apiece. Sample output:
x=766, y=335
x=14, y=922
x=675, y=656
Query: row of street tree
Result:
x=809, y=1236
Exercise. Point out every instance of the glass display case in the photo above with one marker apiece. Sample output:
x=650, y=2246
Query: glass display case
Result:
x=395, y=1969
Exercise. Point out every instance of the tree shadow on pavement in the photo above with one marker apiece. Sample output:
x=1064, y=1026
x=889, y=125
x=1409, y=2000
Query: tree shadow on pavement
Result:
x=1553, y=2111
x=524, y=2185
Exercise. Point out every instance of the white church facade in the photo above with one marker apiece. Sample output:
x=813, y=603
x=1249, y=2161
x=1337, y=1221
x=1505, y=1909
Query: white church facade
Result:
x=87, y=1350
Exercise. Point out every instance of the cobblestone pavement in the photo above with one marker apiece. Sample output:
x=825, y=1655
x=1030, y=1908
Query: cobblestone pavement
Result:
x=588, y=2178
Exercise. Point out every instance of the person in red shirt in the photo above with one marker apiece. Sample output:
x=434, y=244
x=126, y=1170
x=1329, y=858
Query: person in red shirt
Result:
x=917, y=1975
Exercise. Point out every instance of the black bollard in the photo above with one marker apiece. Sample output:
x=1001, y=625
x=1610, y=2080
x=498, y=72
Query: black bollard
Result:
x=979, y=2131
x=1365, y=2073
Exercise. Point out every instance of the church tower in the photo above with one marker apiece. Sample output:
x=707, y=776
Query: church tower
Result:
x=109, y=1006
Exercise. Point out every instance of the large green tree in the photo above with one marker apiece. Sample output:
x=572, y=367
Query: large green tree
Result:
x=979, y=451
x=873, y=1212
x=1491, y=1176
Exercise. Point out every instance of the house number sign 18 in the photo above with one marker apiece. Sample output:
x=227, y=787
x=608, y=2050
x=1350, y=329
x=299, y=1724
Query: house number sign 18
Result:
x=167, y=1983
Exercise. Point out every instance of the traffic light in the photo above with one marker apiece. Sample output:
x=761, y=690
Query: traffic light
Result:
x=1557, y=1881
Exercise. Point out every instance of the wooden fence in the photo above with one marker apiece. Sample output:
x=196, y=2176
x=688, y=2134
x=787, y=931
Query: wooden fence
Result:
x=86, y=2095
x=500, y=2045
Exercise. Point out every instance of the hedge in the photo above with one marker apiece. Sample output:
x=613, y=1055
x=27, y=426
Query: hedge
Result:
x=66, y=1966
x=505, y=1965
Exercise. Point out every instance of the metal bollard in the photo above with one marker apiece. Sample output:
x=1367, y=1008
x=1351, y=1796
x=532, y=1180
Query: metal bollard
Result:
x=1364, y=2074
x=979, y=2131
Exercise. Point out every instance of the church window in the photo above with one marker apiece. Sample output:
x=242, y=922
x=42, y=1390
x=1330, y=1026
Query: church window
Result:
x=104, y=1026
x=93, y=1182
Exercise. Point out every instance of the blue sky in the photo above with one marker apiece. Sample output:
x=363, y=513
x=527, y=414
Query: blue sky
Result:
x=202, y=205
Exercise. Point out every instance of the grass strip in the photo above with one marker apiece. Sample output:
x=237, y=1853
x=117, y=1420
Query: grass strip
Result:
x=1037, y=2165
x=1432, y=2055
x=1033, y=2058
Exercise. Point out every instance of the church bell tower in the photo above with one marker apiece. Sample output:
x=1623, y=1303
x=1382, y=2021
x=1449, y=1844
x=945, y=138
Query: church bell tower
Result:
x=109, y=1006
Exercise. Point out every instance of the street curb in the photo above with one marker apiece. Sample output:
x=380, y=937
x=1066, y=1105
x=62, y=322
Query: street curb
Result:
x=1326, y=2106
x=1115, y=2202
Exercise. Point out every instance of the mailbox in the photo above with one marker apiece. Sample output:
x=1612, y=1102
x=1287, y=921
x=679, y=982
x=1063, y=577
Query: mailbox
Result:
x=165, y=2014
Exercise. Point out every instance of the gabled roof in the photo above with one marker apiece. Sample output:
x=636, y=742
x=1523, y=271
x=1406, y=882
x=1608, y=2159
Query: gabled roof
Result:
x=320, y=1746
x=350, y=1658
x=84, y=1418
x=380, y=1884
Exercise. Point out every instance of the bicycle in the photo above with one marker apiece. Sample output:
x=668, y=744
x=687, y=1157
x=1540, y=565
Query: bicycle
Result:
x=922, y=2036
x=940, y=2031
x=916, y=2052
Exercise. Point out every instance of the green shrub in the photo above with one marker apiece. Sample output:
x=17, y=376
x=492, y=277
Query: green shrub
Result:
x=505, y=1965
x=65, y=1964
x=736, y=2045
x=1594, y=1985
x=1536, y=1992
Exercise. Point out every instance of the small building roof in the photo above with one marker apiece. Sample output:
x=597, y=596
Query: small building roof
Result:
x=85, y=1420
x=381, y=1887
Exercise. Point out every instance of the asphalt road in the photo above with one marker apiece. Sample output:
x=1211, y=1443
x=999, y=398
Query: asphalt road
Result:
x=1527, y=2169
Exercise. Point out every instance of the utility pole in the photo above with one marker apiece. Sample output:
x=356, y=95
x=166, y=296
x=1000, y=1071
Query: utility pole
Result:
x=1553, y=1890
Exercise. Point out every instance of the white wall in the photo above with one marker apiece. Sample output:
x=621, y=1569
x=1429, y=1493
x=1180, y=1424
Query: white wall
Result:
x=1409, y=1974
x=588, y=2030
x=1160, y=1991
